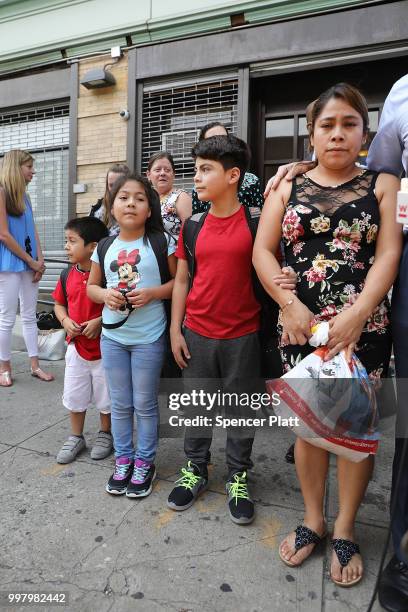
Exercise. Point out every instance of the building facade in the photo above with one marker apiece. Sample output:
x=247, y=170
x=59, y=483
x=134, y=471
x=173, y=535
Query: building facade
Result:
x=253, y=65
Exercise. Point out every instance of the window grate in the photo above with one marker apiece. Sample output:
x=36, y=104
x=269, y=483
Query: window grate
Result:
x=173, y=117
x=35, y=114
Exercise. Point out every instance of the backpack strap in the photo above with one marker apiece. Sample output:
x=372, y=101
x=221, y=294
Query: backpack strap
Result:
x=118, y=324
x=63, y=278
x=252, y=215
x=269, y=308
x=191, y=229
x=158, y=242
x=102, y=249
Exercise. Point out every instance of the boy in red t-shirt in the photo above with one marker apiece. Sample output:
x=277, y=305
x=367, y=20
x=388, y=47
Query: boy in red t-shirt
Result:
x=84, y=381
x=220, y=317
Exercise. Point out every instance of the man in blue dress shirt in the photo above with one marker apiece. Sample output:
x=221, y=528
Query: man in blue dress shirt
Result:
x=389, y=153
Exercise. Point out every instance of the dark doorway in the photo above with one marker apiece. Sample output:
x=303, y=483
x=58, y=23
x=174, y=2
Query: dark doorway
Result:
x=277, y=118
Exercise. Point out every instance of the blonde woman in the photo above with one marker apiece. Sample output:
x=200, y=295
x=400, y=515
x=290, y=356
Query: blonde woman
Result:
x=21, y=262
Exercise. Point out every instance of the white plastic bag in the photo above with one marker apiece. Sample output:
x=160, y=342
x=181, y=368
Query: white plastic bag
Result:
x=334, y=401
x=51, y=344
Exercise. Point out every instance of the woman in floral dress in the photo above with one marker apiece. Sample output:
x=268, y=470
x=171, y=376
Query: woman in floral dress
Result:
x=338, y=225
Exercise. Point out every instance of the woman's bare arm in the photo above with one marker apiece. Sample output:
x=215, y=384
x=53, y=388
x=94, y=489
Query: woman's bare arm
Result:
x=295, y=315
x=184, y=206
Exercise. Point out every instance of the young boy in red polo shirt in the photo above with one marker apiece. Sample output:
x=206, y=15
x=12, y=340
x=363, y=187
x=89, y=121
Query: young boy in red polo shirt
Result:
x=84, y=381
x=214, y=301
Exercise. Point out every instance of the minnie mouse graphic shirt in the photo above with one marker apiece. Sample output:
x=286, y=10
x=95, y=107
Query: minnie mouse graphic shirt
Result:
x=128, y=266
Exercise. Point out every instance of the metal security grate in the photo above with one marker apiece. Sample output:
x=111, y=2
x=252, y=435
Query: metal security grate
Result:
x=173, y=117
x=44, y=132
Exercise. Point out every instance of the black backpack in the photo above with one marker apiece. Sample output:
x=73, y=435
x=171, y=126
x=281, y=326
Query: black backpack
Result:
x=268, y=334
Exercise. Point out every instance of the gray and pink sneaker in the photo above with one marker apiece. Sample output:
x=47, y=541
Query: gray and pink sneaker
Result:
x=120, y=478
x=141, y=483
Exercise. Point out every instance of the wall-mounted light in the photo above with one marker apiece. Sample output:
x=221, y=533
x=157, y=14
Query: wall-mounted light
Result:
x=98, y=77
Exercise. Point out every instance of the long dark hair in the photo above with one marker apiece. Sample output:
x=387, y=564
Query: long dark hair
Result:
x=154, y=223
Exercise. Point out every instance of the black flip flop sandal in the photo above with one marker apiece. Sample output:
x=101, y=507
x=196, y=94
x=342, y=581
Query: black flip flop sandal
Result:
x=304, y=537
x=345, y=549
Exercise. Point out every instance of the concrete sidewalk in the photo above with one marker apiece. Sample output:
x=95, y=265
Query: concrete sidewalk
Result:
x=60, y=531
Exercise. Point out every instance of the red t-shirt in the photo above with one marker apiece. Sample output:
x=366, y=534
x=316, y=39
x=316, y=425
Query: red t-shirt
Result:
x=221, y=303
x=80, y=309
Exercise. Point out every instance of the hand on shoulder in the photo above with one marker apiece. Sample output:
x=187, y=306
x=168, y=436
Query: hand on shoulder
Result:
x=281, y=193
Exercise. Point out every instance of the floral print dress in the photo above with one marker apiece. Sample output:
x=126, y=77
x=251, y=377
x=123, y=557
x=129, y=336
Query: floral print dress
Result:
x=329, y=236
x=171, y=220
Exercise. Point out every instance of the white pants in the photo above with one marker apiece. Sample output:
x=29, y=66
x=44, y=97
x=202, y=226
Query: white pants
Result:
x=15, y=286
x=84, y=383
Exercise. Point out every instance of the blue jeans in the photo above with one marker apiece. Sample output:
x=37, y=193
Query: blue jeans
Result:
x=133, y=375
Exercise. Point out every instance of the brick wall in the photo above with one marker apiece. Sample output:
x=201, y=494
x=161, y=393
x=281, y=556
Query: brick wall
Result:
x=101, y=132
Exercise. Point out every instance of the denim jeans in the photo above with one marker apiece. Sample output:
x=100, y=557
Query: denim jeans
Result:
x=133, y=375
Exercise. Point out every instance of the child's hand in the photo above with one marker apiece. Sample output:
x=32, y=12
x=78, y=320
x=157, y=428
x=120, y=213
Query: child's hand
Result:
x=114, y=299
x=92, y=329
x=179, y=348
x=287, y=280
x=296, y=322
x=71, y=327
x=140, y=297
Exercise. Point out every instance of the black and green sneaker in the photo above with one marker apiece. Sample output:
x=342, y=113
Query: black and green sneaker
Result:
x=240, y=505
x=193, y=481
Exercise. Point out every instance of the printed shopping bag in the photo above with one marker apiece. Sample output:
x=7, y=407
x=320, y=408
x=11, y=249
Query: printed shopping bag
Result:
x=334, y=402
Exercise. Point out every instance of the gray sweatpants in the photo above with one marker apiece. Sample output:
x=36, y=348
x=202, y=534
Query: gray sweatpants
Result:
x=233, y=364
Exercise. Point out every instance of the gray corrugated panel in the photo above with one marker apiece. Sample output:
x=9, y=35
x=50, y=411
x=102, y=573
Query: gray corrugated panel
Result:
x=53, y=270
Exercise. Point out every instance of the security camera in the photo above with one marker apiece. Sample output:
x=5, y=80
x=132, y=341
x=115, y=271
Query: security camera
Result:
x=124, y=113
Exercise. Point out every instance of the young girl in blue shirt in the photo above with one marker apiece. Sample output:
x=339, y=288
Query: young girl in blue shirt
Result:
x=133, y=348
